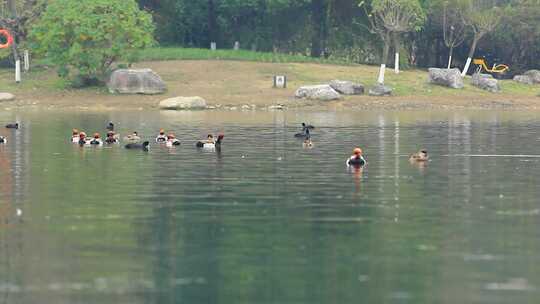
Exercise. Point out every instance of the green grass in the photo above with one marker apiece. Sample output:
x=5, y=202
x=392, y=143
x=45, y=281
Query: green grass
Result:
x=177, y=53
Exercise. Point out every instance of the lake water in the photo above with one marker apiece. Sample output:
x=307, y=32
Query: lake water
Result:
x=266, y=221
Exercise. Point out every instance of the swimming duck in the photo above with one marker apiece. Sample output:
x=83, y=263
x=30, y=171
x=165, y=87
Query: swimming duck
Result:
x=110, y=126
x=134, y=137
x=75, y=136
x=303, y=135
x=3, y=140
x=172, y=140
x=308, y=144
x=356, y=159
x=112, y=138
x=209, y=143
x=307, y=127
x=83, y=140
x=12, y=125
x=136, y=146
x=420, y=156
x=161, y=138
x=96, y=141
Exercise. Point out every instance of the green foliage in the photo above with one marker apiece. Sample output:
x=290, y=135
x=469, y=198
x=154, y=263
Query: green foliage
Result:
x=83, y=38
x=400, y=15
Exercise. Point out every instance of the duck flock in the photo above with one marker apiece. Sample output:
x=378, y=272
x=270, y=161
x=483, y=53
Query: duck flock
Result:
x=133, y=141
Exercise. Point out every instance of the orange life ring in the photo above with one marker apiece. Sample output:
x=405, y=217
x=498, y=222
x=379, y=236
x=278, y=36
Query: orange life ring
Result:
x=9, y=39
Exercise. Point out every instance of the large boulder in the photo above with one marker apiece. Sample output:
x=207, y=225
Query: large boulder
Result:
x=485, y=82
x=183, y=103
x=347, y=87
x=6, y=97
x=380, y=90
x=534, y=75
x=446, y=77
x=523, y=79
x=322, y=92
x=140, y=81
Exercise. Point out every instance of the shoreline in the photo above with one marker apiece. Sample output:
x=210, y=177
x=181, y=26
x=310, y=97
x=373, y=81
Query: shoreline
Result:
x=238, y=86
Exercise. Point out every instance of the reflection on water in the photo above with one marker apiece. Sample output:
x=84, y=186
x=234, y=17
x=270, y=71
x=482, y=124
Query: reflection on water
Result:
x=267, y=221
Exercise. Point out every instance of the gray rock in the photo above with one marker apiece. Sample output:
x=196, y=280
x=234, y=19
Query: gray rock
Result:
x=534, y=75
x=347, y=87
x=446, y=77
x=380, y=90
x=485, y=82
x=6, y=97
x=140, y=81
x=523, y=79
x=183, y=103
x=317, y=92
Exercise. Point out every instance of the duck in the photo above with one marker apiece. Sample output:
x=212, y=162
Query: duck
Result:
x=75, y=136
x=134, y=137
x=110, y=126
x=3, y=140
x=12, y=126
x=137, y=146
x=161, y=138
x=96, y=141
x=210, y=143
x=112, y=138
x=420, y=156
x=305, y=134
x=308, y=144
x=307, y=127
x=82, y=139
x=356, y=160
x=172, y=140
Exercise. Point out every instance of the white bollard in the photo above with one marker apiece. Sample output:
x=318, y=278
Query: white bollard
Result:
x=466, y=68
x=396, y=64
x=213, y=46
x=17, y=71
x=236, y=45
x=381, y=74
x=26, y=61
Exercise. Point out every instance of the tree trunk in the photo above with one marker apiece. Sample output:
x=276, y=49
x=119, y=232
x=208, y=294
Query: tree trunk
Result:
x=386, y=50
x=318, y=20
x=471, y=54
x=396, y=57
x=450, y=57
x=212, y=22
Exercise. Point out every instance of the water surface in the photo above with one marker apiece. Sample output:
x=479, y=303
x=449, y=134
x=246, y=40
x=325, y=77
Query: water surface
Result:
x=266, y=221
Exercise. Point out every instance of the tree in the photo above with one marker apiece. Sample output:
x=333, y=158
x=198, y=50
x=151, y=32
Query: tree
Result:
x=391, y=18
x=85, y=37
x=481, y=19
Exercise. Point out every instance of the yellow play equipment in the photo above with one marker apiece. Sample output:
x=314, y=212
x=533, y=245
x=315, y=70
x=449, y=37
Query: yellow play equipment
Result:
x=497, y=69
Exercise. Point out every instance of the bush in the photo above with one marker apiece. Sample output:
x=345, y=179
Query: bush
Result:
x=83, y=38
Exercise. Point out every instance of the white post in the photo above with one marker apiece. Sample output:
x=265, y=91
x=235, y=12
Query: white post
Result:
x=466, y=68
x=381, y=74
x=396, y=63
x=18, y=71
x=236, y=45
x=26, y=60
x=449, y=62
x=213, y=46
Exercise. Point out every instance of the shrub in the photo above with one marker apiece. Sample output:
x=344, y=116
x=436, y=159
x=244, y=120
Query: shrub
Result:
x=83, y=38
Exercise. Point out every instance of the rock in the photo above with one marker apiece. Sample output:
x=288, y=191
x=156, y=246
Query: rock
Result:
x=6, y=97
x=380, y=90
x=322, y=92
x=485, y=82
x=523, y=79
x=534, y=75
x=446, y=77
x=183, y=103
x=140, y=81
x=347, y=87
